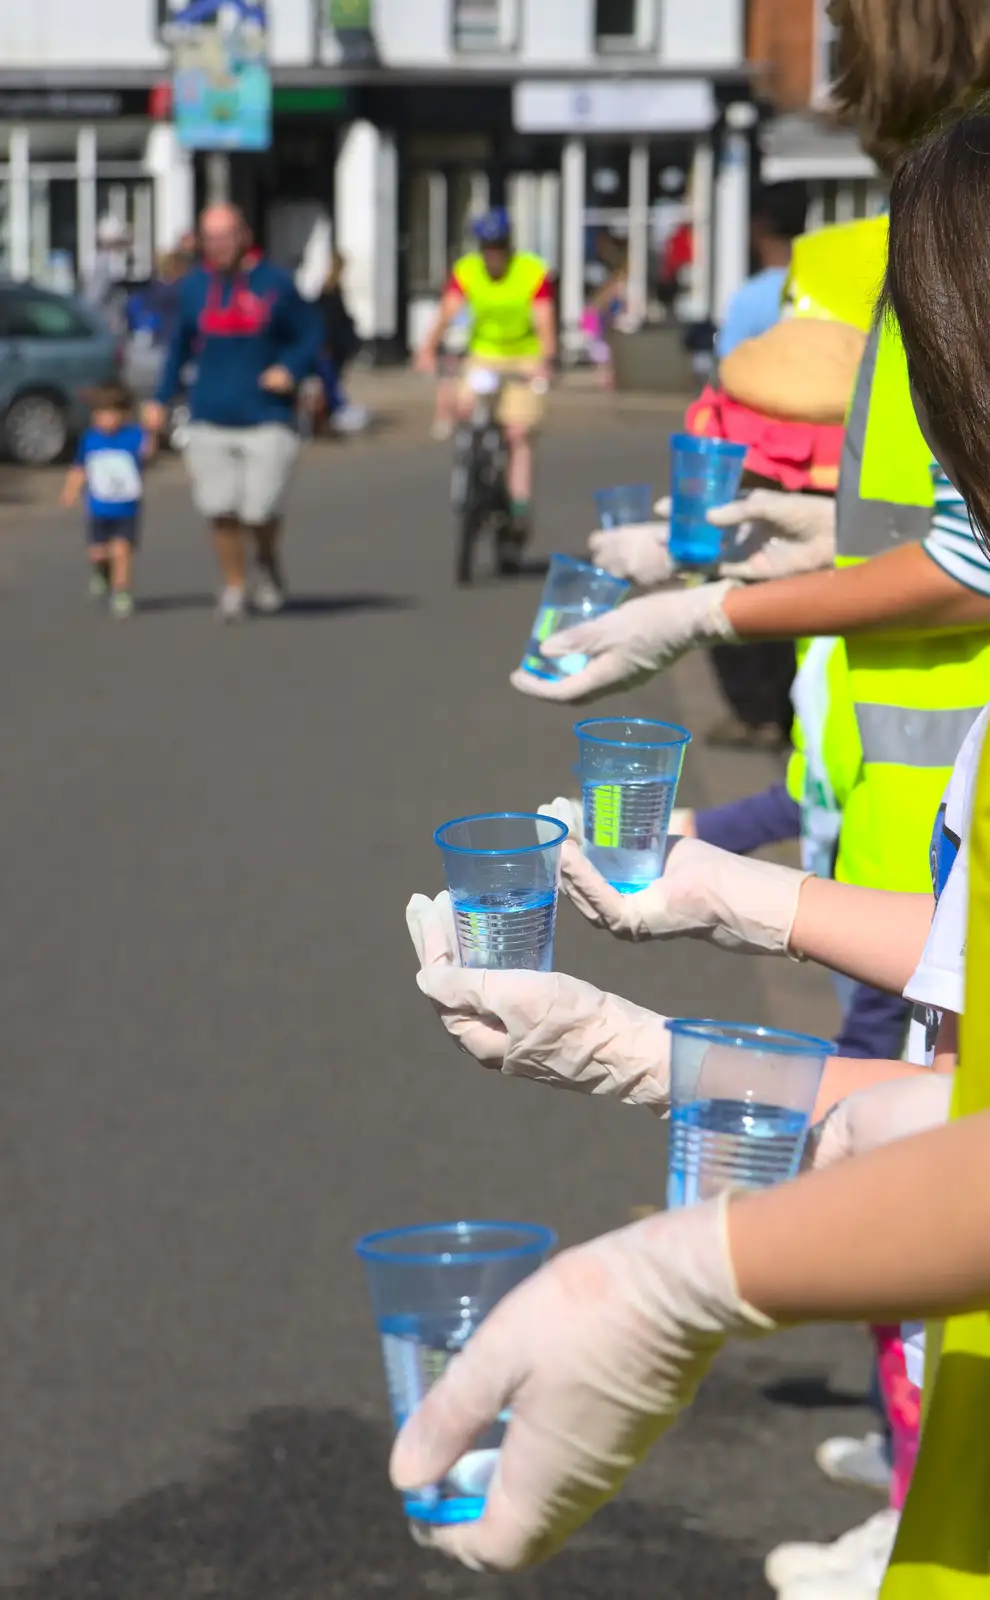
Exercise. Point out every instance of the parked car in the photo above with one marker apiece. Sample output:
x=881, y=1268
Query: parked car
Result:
x=52, y=348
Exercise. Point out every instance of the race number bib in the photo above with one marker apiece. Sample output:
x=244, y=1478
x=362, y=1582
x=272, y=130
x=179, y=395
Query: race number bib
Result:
x=113, y=476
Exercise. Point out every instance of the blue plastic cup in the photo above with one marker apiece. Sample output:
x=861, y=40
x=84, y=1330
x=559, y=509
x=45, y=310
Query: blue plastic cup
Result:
x=624, y=504
x=704, y=473
x=741, y=1100
x=629, y=769
x=573, y=592
x=430, y=1288
x=503, y=871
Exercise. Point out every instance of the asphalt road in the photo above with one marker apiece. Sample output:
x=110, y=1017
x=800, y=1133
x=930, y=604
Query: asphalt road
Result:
x=217, y=1071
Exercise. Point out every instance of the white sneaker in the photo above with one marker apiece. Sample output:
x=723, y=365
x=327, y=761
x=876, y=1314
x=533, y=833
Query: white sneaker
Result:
x=862, y=1463
x=350, y=418
x=268, y=597
x=871, y=1542
x=231, y=605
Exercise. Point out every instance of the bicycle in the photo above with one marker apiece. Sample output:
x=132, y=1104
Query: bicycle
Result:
x=478, y=488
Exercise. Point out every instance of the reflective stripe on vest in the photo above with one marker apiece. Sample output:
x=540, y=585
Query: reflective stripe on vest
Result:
x=867, y=527
x=899, y=736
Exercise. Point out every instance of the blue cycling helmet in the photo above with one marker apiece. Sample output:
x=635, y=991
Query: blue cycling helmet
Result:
x=493, y=227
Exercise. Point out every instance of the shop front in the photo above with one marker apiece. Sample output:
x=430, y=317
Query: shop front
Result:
x=69, y=158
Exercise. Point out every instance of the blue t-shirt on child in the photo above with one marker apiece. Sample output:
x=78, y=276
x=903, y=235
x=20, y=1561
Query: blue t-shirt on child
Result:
x=113, y=463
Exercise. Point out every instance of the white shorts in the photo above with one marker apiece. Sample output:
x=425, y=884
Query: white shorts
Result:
x=240, y=472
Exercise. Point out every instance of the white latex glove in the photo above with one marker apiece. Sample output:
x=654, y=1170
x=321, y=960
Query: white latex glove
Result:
x=795, y=533
x=878, y=1116
x=637, y=552
x=735, y=902
x=628, y=645
x=595, y=1355
x=571, y=814
x=541, y=1025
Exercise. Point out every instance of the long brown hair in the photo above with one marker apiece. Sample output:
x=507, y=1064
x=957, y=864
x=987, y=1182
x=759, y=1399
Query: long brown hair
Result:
x=937, y=287
x=904, y=63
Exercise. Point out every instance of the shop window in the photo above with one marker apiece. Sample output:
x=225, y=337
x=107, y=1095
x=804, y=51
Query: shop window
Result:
x=624, y=25
x=485, y=26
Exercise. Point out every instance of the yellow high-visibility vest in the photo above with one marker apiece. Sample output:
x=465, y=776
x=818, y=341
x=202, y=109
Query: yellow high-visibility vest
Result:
x=943, y=1544
x=911, y=696
x=915, y=694
x=501, y=308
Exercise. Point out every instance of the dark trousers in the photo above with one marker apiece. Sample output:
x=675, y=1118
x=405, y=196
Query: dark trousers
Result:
x=756, y=681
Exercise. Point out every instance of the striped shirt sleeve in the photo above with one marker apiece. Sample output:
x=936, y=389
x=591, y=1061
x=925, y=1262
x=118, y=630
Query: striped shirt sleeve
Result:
x=952, y=544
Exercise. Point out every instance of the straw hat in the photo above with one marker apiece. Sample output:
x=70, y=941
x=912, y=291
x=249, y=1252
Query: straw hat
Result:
x=801, y=369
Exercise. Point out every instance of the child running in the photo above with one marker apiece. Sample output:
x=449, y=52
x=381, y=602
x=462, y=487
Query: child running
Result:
x=108, y=467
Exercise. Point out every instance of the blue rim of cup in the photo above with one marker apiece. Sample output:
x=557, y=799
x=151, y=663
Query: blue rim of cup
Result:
x=709, y=447
x=750, y=1036
x=682, y=735
x=500, y=816
x=587, y=566
x=537, y=1240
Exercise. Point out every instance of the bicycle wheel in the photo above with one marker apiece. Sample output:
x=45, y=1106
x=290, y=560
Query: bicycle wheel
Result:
x=470, y=522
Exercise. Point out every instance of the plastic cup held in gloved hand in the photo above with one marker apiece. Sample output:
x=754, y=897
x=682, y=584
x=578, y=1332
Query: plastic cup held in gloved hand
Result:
x=573, y=592
x=623, y=505
x=629, y=769
x=430, y=1288
x=503, y=871
x=704, y=473
x=741, y=1099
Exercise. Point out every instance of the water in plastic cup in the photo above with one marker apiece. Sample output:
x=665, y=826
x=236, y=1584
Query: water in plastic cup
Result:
x=704, y=473
x=430, y=1288
x=624, y=504
x=573, y=592
x=629, y=769
x=741, y=1100
x=503, y=870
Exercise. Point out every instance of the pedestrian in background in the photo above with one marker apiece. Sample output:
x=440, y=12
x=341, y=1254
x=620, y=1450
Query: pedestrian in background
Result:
x=254, y=339
x=341, y=343
x=108, y=470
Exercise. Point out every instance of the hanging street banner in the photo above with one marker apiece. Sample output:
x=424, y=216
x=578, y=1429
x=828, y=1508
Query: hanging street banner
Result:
x=221, y=81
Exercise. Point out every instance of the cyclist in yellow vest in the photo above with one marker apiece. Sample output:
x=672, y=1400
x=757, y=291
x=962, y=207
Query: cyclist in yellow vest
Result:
x=514, y=332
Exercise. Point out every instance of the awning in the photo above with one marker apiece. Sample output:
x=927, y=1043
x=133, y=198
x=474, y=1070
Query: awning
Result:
x=810, y=148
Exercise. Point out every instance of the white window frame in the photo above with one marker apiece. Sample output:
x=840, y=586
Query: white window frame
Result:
x=507, y=34
x=643, y=39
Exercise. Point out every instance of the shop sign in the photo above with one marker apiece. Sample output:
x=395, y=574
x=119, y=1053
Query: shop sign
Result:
x=615, y=105
x=28, y=105
x=221, y=80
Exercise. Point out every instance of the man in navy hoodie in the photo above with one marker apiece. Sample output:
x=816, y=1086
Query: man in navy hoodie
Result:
x=253, y=339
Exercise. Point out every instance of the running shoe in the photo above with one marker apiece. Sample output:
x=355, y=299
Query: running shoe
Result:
x=860, y=1548
x=350, y=418
x=121, y=604
x=268, y=596
x=99, y=588
x=231, y=605
x=861, y=1463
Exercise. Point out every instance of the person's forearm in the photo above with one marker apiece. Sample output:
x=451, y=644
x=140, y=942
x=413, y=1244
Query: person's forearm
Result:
x=902, y=588
x=873, y=935
x=902, y=1233
x=546, y=330
x=175, y=359
x=846, y=1075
